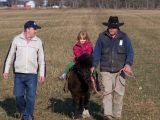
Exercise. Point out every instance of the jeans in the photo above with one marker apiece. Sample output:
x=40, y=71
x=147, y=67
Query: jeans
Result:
x=25, y=91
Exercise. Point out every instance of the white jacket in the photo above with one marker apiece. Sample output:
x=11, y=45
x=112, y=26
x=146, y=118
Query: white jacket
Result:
x=27, y=57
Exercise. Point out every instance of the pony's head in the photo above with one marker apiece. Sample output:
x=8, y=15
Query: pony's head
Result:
x=85, y=61
x=82, y=69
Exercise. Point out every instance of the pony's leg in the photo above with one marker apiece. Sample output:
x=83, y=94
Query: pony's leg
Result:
x=76, y=101
x=86, y=100
x=65, y=88
x=85, y=113
x=97, y=82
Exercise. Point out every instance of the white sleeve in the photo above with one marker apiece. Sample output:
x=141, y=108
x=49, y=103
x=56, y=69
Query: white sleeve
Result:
x=10, y=57
x=41, y=60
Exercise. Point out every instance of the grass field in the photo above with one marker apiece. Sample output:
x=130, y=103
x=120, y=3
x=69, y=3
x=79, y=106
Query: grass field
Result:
x=59, y=32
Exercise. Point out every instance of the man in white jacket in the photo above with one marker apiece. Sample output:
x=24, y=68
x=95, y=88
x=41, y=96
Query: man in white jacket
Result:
x=27, y=55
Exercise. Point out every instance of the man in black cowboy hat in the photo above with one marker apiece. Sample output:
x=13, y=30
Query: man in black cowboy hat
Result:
x=114, y=52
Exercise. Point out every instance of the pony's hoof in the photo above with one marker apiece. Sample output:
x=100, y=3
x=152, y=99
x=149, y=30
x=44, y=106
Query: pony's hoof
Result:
x=85, y=114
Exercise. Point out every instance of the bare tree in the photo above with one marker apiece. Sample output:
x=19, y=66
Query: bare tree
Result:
x=39, y=2
x=114, y=4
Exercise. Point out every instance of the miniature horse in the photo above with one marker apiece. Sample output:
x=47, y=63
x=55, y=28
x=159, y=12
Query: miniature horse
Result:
x=79, y=84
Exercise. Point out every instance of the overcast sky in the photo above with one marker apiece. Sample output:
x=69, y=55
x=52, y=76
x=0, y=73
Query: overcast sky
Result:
x=3, y=0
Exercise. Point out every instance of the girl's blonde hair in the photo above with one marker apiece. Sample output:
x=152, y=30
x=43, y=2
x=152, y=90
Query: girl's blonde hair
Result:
x=83, y=35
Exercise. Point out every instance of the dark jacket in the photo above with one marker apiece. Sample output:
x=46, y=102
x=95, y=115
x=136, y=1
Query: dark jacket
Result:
x=113, y=53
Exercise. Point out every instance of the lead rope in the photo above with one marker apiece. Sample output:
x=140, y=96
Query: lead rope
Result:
x=117, y=78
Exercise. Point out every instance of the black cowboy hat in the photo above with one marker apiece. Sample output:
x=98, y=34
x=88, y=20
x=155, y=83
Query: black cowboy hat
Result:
x=113, y=22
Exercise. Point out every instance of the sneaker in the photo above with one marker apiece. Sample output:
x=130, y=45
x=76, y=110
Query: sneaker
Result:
x=62, y=77
x=18, y=115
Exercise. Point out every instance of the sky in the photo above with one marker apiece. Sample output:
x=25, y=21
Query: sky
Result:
x=3, y=0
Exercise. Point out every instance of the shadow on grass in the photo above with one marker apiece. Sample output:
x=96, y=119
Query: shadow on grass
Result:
x=66, y=107
x=9, y=105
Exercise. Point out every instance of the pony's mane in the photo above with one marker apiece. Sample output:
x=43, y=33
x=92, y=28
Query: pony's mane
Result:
x=82, y=69
x=85, y=61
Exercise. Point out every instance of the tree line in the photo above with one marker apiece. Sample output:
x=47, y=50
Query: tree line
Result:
x=110, y=4
x=113, y=4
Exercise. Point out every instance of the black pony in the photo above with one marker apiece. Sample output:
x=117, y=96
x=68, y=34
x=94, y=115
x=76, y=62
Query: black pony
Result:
x=79, y=84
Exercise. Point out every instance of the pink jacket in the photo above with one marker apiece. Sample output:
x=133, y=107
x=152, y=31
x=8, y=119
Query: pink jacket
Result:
x=79, y=49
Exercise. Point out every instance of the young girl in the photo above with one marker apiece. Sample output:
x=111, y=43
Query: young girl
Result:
x=83, y=45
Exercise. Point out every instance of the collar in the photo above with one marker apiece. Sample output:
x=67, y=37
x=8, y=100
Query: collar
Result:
x=79, y=44
x=23, y=37
x=118, y=36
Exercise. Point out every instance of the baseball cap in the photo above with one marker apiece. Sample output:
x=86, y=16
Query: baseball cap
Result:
x=31, y=24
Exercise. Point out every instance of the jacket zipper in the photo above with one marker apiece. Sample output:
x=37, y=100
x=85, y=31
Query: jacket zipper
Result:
x=112, y=56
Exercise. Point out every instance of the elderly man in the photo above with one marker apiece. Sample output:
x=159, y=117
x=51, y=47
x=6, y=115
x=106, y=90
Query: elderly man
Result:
x=114, y=52
x=27, y=55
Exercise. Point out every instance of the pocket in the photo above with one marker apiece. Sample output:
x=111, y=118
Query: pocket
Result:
x=121, y=50
x=120, y=86
x=20, y=48
x=106, y=50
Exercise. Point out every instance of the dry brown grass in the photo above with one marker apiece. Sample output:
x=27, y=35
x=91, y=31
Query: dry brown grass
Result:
x=59, y=31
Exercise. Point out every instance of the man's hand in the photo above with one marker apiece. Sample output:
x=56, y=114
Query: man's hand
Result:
x=5, y=76
x=41, y=79
x=127, y=68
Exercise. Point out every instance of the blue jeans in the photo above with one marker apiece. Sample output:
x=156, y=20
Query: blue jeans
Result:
x=25, y=91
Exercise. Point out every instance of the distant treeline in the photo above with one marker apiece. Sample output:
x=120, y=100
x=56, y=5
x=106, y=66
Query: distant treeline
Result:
x=113, y=4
